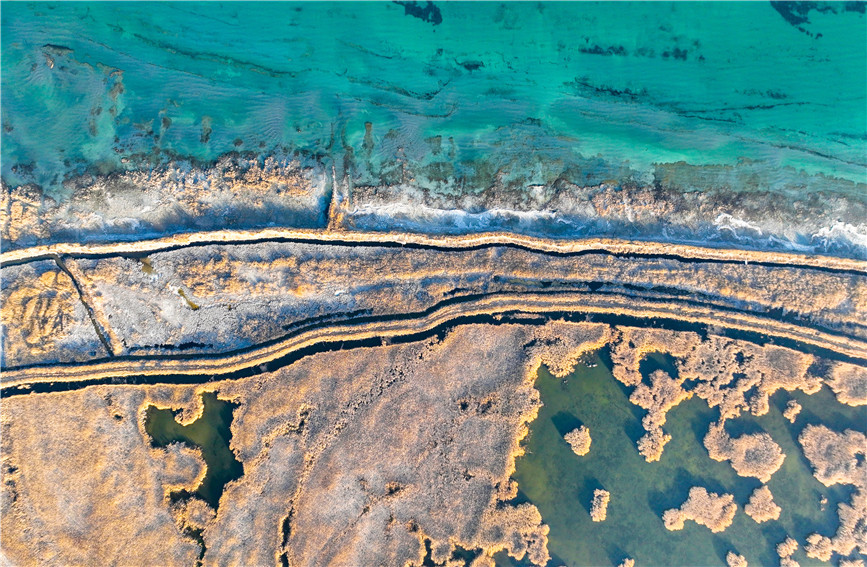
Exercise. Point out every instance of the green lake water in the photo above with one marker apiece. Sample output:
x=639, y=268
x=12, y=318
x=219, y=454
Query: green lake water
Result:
x=211, y=433
x=561, y=484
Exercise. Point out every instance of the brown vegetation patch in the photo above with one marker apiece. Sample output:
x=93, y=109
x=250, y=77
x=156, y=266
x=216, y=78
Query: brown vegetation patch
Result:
x=793, y=408
x=43, y=318
x=38, y=311
x=87, y=488
x=730, y=374
x=755, y=455
x=705, y=508
x=560, y=344
x=735, y=560
x=663, y=394
x=599, y=505
x=352, y=457
x=787, y=547
x=728, y=370
x=849, y=383
x=579, y=440
x=761, y=506
x=839, y=458
x=357, y=457
x=836, y=458
x=651, y=444
x=635, y=343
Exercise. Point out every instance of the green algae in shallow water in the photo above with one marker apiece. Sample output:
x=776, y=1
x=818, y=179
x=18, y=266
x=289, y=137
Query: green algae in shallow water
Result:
x=210, y=433
x=561, y=484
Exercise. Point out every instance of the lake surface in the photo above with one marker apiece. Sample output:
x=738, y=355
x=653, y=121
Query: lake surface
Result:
x=561, y=484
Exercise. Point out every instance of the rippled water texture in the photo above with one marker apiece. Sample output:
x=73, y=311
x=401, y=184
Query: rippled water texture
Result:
x=623, y=85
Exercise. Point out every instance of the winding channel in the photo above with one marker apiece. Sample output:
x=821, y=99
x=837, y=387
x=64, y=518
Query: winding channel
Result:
x=618, y=306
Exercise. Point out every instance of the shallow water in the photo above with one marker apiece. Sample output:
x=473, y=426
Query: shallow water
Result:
x=597, y=90
x=561, y=484
x=211, y=433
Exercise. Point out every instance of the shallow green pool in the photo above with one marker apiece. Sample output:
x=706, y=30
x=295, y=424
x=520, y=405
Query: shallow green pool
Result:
x=211, y=433
x=561, y=484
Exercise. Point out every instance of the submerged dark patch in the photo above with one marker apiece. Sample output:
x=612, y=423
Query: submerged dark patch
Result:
x=427, y=12
x=797, y=14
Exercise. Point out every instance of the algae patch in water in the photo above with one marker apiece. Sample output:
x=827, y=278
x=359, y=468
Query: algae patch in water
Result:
x=562, y=485
x=146, y=266
x=190, y=303
x=210, y=433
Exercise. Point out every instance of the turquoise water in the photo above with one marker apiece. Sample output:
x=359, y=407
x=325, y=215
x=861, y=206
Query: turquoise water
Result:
x=607, y=89
x=561, y=484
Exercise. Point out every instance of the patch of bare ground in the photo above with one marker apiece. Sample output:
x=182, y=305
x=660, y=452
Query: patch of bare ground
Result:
x=82, y=485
